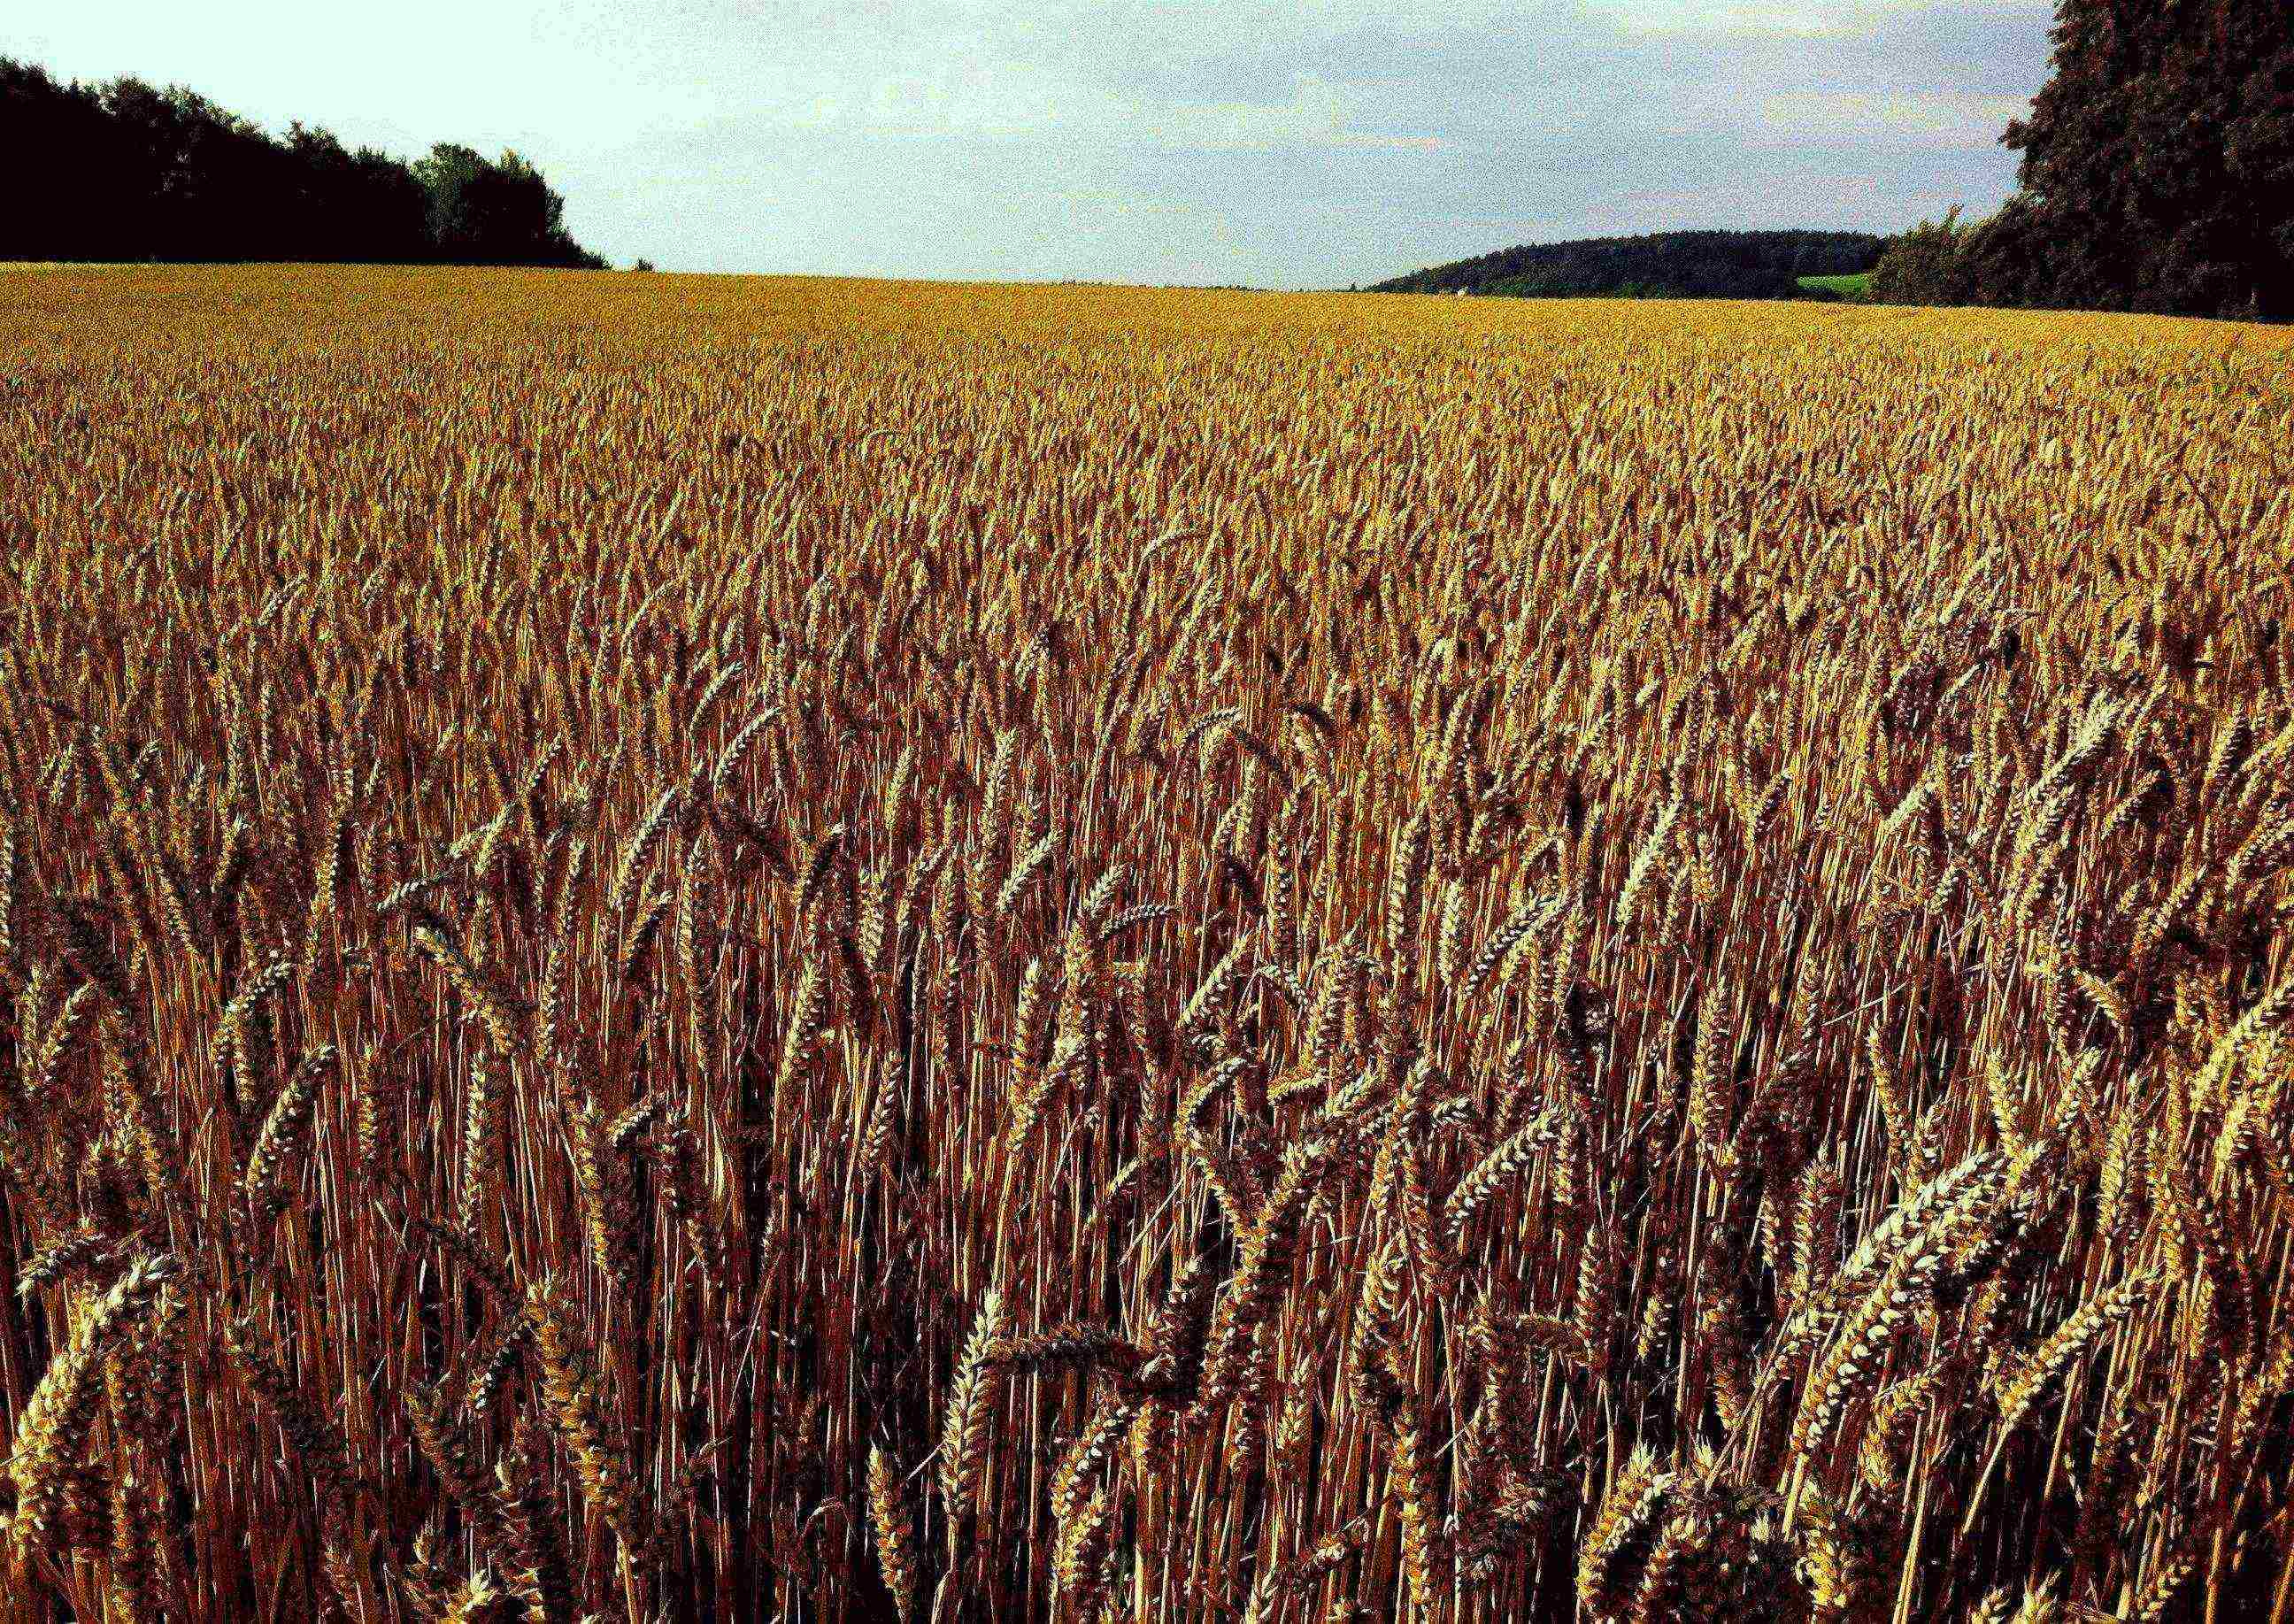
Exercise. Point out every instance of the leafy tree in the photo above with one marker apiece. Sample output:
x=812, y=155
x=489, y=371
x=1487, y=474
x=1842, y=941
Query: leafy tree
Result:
x=2158, y=172
x=144, y=173
x=499, y=213
x=360, y=206
x=63, y=209
x=1669, y=264
x=1929, y=264
x=2158, y=159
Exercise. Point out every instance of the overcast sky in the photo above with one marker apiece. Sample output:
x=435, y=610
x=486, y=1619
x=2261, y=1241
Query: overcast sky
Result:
x=1277, y=143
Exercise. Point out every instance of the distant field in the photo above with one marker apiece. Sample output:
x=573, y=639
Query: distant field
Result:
x=707, y=948
x=1846, y=286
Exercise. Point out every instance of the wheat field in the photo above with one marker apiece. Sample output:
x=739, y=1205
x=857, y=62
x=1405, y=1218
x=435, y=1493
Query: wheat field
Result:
x=686, y=948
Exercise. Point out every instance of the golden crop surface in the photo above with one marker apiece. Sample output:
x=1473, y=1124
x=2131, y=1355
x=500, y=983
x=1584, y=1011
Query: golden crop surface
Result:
x=716, y=949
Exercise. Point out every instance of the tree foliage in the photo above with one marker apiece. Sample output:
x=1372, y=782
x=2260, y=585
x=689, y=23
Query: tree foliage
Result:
x=2158, y=172
x=1670, y=265
x=131, y=171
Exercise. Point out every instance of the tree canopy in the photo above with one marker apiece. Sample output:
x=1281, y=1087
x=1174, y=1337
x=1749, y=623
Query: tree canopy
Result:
x=1670, y=265
x=127, y=171
x=2156, y=175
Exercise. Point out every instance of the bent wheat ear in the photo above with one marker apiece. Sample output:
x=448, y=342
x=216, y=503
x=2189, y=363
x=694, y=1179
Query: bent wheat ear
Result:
x=574, y=1397
x=54, y=1428
x=964, y=1431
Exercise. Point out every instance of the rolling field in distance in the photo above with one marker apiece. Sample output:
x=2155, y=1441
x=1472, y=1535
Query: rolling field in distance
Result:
x=689, y=949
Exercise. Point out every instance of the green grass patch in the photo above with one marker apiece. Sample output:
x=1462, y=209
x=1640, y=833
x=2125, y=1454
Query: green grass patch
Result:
x=1846, y=286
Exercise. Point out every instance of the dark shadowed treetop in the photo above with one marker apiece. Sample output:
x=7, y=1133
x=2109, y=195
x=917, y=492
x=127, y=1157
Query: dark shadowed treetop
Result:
x=2158, y=159
x=2158, y=172
x=477, y=206
x=125, y=171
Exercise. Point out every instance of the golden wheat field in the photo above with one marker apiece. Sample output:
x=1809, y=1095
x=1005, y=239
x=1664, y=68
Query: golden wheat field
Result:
x=688, y=949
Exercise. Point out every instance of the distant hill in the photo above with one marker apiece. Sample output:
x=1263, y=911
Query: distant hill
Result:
x=1668, y=265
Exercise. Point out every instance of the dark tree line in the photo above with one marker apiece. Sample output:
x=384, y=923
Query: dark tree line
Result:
x=2157, y=173
x=1670, y=265
x=127, y=172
